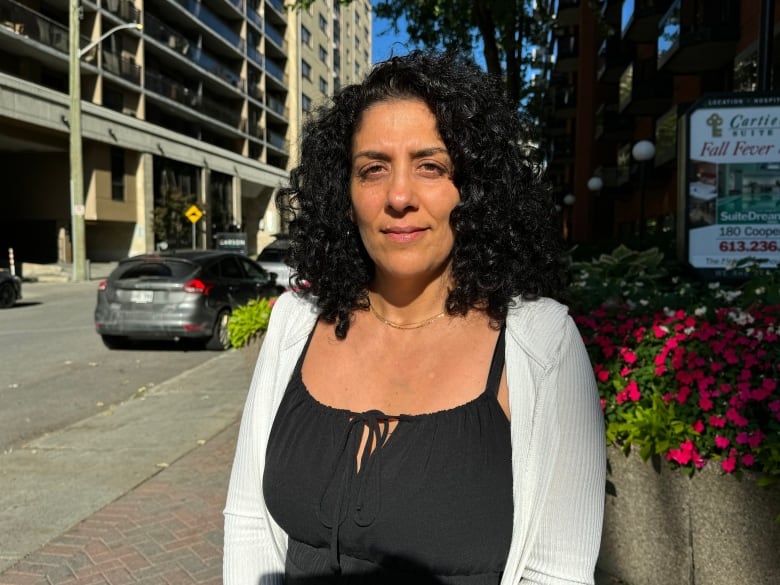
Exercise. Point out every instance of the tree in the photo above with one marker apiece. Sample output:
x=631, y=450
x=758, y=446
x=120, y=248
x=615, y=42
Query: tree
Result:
x=505, y=30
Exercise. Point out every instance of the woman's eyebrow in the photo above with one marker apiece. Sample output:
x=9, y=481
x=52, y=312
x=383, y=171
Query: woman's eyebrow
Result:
x=378, y=155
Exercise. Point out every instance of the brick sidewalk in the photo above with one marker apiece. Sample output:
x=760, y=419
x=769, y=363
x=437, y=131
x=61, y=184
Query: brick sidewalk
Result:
x=167, y=531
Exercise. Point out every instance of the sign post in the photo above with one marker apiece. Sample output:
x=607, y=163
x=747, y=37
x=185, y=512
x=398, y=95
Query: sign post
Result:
x=731, y=183
x=194, y=214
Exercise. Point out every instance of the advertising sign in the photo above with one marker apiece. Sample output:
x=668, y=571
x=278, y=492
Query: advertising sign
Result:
x=732, y=199
x=231, y=241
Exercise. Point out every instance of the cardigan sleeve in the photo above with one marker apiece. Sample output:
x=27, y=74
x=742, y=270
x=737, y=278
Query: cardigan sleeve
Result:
x=251, y=555
x=568, y=538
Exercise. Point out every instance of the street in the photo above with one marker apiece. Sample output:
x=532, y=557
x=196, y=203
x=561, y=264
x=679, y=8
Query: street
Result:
x=55, y=370
x=81, y=426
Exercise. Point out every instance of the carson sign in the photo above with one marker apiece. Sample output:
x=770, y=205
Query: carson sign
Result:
x=732, y=182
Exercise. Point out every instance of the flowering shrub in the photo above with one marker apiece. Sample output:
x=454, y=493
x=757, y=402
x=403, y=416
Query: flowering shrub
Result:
x=690, y=374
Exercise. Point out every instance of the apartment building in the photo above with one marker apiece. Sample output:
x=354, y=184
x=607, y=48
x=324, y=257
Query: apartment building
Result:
x=203, y=105
x=627, y=71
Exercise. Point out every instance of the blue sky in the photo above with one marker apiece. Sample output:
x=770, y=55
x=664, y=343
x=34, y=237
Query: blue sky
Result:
x=384, y=40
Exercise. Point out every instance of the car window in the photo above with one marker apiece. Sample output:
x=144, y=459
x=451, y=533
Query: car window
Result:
x=229, y=268
x=253, y=271
x=272, y=255
x=156, y=269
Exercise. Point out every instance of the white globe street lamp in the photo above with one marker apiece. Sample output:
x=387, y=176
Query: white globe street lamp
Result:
x=595, y=184
x=643, y=152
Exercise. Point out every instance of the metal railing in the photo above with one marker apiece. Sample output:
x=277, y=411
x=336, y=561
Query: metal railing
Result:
x=122, y=65
x=26, y=22
x=173, y=40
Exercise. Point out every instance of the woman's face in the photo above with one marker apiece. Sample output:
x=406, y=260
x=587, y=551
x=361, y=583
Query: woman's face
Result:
x=402, y=190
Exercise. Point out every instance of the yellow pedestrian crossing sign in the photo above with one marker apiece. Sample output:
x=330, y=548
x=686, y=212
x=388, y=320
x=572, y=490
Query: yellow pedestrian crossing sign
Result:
x=193, y=213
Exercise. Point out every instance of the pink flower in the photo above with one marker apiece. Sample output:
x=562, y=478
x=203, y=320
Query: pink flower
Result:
x=729, y=464
x=736, y=418
x=602, y=375
x=625, y=371
x=721, y=442
x=717, y=421
x=633, y=391
x=628, y=355
x=705, y=403
x=748, y=460
x=698, y=427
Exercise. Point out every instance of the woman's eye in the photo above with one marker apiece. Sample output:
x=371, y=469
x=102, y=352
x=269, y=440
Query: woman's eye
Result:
x=369, y=171
x=432, y=169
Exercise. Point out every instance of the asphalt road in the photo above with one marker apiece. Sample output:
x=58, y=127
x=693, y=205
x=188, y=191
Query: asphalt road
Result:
x=55, y=370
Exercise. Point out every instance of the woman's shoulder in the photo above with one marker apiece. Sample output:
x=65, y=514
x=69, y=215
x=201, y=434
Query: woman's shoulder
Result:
x=538, y=326
x=293, y=312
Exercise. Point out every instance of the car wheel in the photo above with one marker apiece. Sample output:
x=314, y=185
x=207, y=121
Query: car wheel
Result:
x=7, y=295
x=220, y=339
x=115, y=341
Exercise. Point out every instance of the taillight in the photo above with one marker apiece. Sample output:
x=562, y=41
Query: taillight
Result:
x=103, y=285
x=197, y=286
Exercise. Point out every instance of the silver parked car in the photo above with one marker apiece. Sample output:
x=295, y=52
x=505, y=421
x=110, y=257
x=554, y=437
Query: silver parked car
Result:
x=178, y=295
x=272, y=259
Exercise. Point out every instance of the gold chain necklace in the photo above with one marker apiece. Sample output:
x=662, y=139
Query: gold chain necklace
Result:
x=417, y=325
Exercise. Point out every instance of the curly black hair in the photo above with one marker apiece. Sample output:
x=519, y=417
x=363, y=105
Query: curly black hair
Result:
x=506, y=241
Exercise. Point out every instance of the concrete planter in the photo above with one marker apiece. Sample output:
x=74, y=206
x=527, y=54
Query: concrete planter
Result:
x=661, y=527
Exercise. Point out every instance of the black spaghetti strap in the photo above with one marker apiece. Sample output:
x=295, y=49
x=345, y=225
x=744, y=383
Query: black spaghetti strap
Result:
x=497, y=364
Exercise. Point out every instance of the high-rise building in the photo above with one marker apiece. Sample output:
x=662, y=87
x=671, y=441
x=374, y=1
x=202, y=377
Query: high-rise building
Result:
x=628, y=71
x=203, y=105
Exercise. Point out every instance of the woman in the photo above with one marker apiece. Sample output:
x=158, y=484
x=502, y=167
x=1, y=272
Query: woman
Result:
x=420, y=412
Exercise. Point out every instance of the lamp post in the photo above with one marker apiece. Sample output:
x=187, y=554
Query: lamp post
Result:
x=595, y=184
x=568, y=201
x=643, y=151
x=77, y=210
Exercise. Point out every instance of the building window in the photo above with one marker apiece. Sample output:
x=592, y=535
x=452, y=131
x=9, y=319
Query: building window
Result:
x=117, y=174
x=323, y=24
x=306, y=70
x=305, y=36
x=323, y=85
x=323, y=54
x=305, y=102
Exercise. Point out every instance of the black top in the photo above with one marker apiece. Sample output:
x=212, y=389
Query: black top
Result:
x=431, y=502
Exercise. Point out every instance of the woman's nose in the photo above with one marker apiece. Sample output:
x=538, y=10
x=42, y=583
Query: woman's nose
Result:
x=400, y=193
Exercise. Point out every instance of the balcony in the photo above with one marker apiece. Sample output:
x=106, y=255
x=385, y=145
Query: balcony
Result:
x=124, y=9
x=275, y=35
x=278, y=9
x=277, y=141
x=217, y=26
x=611, y=126
x=122, y=66
x=163, y=86
x=17, y=19
x=644, y=91
x=565, y=102
x=698, y=40
x=277, y=106
x=568, y=13
x=177, y=43
x=567, y=53
x=275, y=72
x=613, y=58
x=639, y=19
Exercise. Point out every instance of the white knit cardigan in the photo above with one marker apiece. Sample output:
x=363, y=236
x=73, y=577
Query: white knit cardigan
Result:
x=558, y=450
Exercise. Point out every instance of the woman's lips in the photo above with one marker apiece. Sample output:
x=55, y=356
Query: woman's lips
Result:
x=404, y=233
